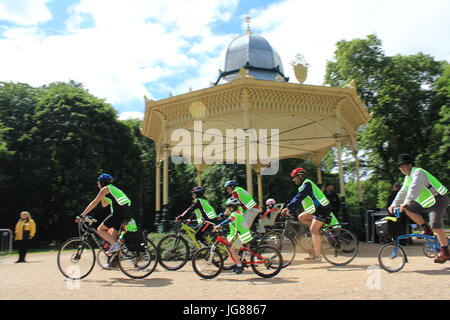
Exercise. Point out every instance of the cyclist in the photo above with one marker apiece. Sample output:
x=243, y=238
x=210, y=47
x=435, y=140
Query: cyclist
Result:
x=316, y=206
x=422, y=193
x=239, y=231
x=120, y=210
x=269, y=216
x=203, y=211
x=249, y=207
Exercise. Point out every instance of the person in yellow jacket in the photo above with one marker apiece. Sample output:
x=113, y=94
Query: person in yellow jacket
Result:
x=422, y=193
x=25, y=231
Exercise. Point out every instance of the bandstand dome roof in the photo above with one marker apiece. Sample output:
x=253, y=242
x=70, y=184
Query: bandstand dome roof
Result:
x=254, y=53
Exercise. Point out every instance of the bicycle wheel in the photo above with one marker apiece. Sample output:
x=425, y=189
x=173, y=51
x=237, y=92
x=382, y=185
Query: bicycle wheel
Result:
x=267, y=261
x=136, y=264
x=428, y=249
x=305, y=244
x=206, y=263
x=285, y=244
x=339, y=246
x=76, y=258
x=173, y=252
x=392, y=257
x=102, y=259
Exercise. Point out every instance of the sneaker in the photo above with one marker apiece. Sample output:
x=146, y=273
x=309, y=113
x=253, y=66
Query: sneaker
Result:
x=313, y=258
x=443, y=256
x=238, y=270
x=113, y=248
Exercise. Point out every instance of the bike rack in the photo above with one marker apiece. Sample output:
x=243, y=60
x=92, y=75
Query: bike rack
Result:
x=5, y=243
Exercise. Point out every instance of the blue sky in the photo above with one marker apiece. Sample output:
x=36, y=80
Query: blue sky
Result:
x=123, y=50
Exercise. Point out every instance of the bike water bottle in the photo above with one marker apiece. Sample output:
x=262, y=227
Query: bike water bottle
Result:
x=397, y=212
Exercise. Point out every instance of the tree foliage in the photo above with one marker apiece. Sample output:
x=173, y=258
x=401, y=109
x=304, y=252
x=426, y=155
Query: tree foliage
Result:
x=408, y=99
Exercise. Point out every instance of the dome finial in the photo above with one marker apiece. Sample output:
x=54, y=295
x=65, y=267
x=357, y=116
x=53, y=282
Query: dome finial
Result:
x=247, y=21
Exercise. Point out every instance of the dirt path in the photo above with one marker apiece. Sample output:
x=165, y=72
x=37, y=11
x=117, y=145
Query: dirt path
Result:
x=420, y=279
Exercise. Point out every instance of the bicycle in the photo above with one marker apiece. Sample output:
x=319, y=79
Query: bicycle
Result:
x=339, y=245
x=283, y=241
x=392, y=257
x=265, y=261
x=76, y=257
x=174, y=250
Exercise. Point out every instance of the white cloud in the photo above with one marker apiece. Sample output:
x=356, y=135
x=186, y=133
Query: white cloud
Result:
x=25, y=12
x=312, y=28
x=123, y=46
x=116, y=47
x=131, y=115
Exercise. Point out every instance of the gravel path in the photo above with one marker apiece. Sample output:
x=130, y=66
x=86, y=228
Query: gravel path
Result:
x=420, y=279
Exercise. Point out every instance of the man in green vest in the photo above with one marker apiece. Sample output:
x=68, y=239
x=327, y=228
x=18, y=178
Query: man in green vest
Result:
x=120, y=206
x=249, y=206
x=239, y=231
x=316, y=206
x=203, y=211
x=422, y=193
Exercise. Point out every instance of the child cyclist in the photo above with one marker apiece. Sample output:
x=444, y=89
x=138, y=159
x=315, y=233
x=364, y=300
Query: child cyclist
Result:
x=120, y=210
x=204, y=213
x=239, y=231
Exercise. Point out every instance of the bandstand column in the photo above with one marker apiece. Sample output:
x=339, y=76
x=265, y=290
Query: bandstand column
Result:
x=260, y=188
x=165, y=209
x=158, y=193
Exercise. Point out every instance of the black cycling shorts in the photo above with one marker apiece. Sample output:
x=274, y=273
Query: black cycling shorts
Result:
x=116, y=219
x=323, y=213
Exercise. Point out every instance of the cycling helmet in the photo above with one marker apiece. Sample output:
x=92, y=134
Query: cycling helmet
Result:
x=198, y=191
x=230, y=183
x=105, y=176
x=233, y=202
x=270, y=202
x=297, y=172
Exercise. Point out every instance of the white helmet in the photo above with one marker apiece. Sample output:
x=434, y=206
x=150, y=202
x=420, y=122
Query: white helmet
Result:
x=270, y=201
x=233, y=202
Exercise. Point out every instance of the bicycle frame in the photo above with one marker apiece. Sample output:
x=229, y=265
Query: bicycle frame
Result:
x=227, y=244
x=191, y=234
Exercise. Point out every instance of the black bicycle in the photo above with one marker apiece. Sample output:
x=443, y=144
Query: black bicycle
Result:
x=76, y=257
x=283, y=240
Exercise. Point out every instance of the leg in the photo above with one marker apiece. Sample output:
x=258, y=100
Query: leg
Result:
x=437, y=223
x=417, y=218
x=305, y=219
x=103, y=232
x=316, y=237
x=21, y=247
x=413, y=212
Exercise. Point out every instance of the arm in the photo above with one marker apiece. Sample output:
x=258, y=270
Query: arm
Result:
x=296, y=201
x=188, y=212
x=103, y=192
x=419, y=181
x=33, y=228
x=399, y=197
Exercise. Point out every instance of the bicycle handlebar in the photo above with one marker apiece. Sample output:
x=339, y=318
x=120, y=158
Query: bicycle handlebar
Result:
x=87, y=219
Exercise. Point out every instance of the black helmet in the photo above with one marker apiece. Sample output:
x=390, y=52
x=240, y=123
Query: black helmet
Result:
x=198, y=191
x=404, y=158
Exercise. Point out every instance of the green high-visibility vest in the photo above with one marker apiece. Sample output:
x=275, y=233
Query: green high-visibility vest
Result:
x=426, y=198
x=209, y=210
x=119, y=195
x=308, y=203
x=239, y=226
x=131, y=226
x=245, y=197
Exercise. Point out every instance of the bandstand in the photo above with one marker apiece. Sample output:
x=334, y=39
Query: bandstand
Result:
x=253, y=99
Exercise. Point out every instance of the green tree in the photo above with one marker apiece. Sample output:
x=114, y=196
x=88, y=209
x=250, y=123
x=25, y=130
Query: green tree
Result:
x=66, y=139
x=404, y=96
